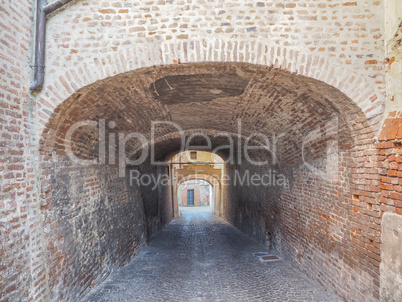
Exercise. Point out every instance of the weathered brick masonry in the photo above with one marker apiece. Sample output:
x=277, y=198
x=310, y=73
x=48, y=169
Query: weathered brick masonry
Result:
x=21, y=245
x=389, y=156
x=326, y=228
x=305, y=66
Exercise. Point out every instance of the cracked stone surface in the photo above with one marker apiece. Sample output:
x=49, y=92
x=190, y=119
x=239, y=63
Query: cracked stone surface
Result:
x=199, y=257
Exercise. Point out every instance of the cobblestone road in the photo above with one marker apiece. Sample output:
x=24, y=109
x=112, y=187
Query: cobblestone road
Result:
x=199, y=257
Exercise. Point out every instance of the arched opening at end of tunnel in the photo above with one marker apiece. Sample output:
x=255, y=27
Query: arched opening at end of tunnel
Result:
x=195, y=193
x=287, y=150
x=197, y=178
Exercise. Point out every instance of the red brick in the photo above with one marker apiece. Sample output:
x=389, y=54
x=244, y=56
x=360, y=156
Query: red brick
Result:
x=386, y=186
x=395, y=195
x=392, y=173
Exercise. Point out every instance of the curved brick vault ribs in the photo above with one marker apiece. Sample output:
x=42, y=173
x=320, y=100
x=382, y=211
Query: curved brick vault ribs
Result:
x=329, y=228
x=270, y=95
x=58, y=89
x=274, y=103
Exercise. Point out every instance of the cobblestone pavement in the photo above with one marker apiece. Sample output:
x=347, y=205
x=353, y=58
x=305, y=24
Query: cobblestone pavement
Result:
x=199, y=257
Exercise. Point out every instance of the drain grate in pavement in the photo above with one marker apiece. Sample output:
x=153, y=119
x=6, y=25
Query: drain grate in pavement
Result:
x=266, y=257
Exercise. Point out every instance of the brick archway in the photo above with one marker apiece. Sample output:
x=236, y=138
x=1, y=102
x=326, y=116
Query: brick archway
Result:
x=129, y=99
x=214, y=199
x=216, y=202
x=208, y=178
x=147, y=55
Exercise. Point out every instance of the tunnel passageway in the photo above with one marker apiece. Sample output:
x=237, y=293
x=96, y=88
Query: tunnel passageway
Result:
x=199, y=257
x=284, y=154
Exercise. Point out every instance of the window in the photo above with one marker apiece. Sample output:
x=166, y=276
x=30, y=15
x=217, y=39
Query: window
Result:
x=193, y=155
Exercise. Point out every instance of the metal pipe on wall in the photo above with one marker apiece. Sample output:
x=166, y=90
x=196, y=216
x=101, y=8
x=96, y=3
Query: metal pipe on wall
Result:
x=39, y=53
x=50, y=8
x=42, y=11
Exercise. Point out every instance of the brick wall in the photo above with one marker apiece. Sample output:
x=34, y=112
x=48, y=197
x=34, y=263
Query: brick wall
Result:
x=93, y=223
x=251, y=207
x=339, y=43
x=327, y=225
x=93, y=220
x=21, y=263
x=389, y=152
x=94, y=40
x=390, y=170
x=152, y=199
